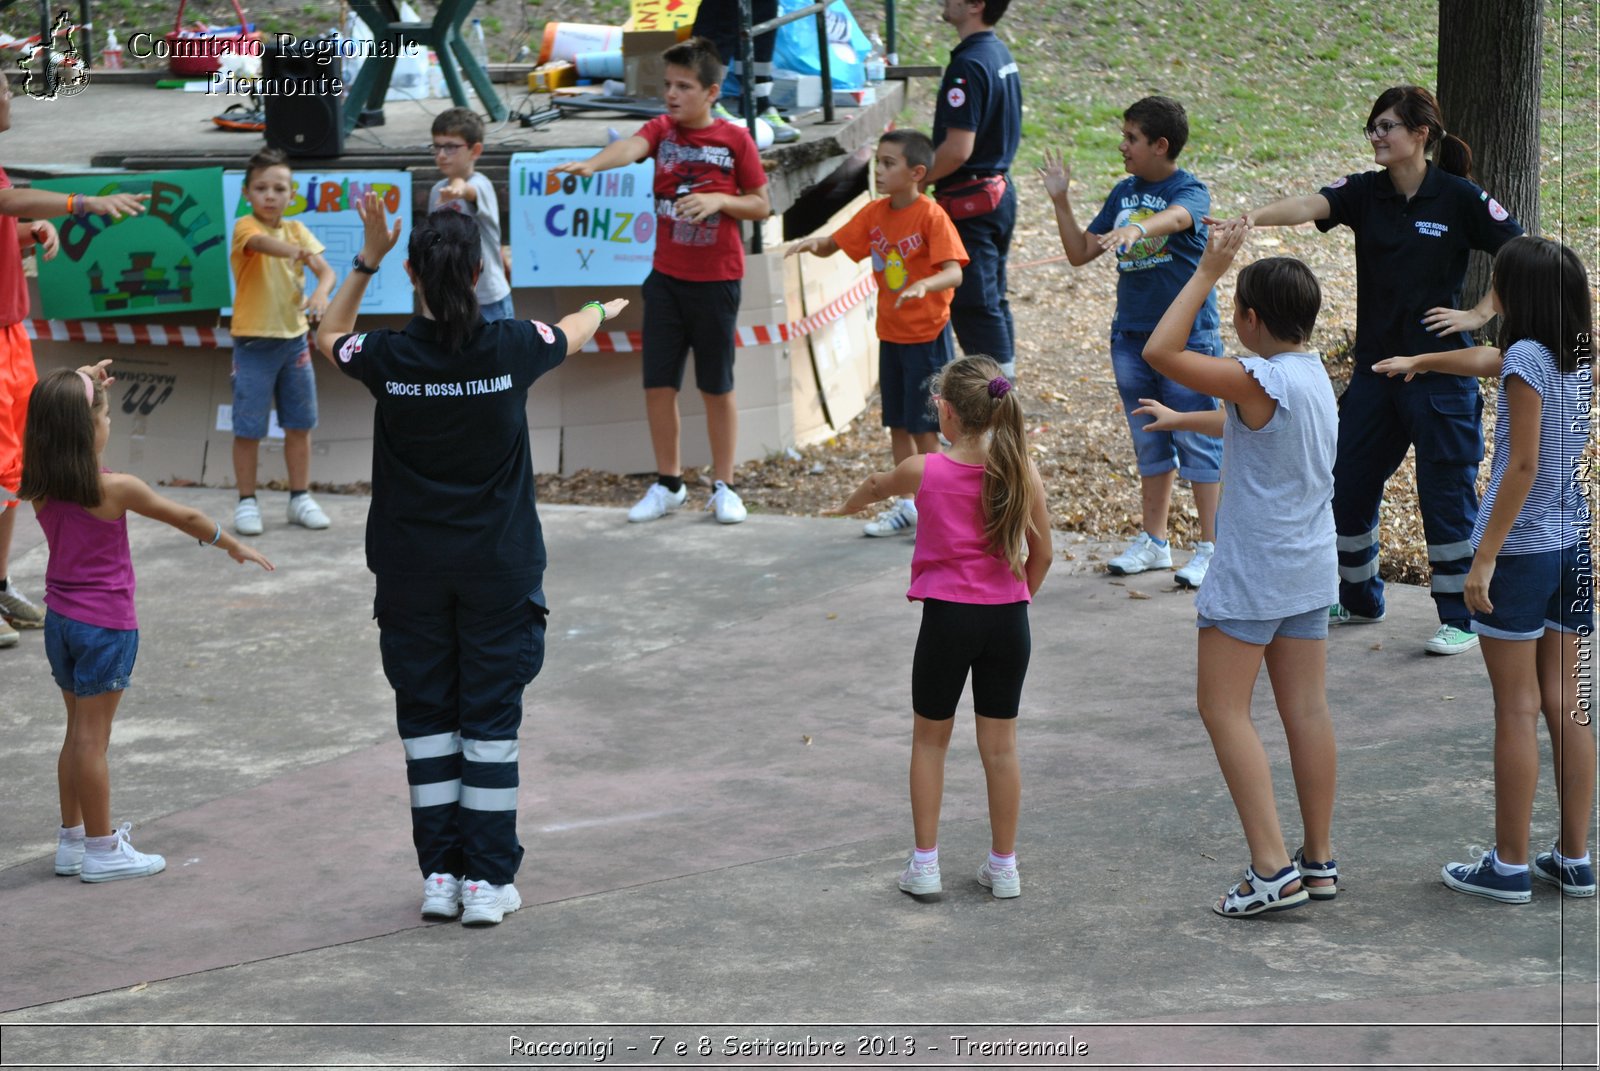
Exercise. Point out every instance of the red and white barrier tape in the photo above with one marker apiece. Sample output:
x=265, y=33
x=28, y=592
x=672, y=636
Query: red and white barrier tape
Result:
x=129, y=334
x=603, y=342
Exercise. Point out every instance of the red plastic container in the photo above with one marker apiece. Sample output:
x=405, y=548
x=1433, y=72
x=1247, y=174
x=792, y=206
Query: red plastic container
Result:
x=194, y=52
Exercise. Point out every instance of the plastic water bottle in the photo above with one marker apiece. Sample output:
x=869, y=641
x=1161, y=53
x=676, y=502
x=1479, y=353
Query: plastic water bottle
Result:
x=478, y=46
x=111, y=55
x=876, y=64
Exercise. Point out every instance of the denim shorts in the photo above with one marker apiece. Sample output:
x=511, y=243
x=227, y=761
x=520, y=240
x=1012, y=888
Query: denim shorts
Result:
x=1311, y=625
x=1553, y=589
x=907, y=372
x=497, y=310
x=88, y=659
x=1198, y=458
x=267, y=370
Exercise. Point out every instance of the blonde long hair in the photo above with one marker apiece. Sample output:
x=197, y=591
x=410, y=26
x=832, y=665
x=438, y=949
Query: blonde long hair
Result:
x=984, y=401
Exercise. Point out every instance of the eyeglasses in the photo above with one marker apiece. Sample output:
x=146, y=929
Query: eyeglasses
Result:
x=449, y=149
x=1381, y=129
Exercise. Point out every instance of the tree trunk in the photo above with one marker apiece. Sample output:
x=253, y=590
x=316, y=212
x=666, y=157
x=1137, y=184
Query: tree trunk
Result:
x=1491, y=75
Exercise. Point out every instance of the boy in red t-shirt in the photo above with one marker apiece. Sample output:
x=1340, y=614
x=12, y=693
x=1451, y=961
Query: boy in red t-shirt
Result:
x=917, y=258
x=708, y=177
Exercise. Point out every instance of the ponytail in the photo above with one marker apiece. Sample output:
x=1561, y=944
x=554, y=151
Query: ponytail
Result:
x=984, y=401
x=1453, y=155
x=446, y=255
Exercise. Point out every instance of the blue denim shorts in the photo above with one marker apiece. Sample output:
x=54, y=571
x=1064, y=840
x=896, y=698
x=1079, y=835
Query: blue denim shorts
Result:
x=1553, y=589
x=88, y=659
x=267, y=370
x=1198, y=458
x=497, y=310
x=1311, y=625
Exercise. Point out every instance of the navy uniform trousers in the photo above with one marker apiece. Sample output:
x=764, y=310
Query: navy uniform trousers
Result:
x=1379, y=419
x=458, y=653
x=980, y=311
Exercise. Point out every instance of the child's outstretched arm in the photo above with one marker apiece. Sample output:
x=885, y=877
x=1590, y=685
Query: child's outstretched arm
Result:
x=316, y=303
x=132, y=493
x=1480, y=361
x=580, y=326
x=269, y=246
x=1075, y=241
x=1199, y=371
x=904, y=479
x=376, y=241
x=1205, y=421
x=1041, y=551
x=1525, y=409
x=821, y=245
x=948, y=277
x=36, y=204
x=619, y=153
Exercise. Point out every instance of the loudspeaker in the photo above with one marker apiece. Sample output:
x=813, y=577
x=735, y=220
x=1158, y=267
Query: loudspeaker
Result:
x=304, y=112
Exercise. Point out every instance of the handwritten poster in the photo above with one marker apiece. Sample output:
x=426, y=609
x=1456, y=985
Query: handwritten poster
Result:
x=572, y=231
x=663, y=14
x=325, y=203
x=173, y=257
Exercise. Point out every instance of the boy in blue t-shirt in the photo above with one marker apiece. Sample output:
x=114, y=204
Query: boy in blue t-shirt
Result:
x=1153, y=222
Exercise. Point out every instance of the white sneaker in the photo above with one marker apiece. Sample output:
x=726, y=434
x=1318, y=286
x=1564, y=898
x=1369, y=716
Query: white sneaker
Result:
x=69, y=855
x=1143, y=553
x=1003, y=883
x=20, y=610
x=1449, y=640
x=247, y=517
x=120, y=862
x=657, y=503
x=483, y=904
x=920, y=879
x=305, y=512
x=727, y=505
x=898, y=519
x=441, y=896
x=8, y=635
x=1193, y=573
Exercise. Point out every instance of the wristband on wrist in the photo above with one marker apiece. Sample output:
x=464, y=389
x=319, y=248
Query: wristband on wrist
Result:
x=601, y=309
x=214, y=539
x=1142, y=232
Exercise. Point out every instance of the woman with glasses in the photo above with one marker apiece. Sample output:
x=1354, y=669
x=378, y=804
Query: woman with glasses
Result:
x=1415, y=222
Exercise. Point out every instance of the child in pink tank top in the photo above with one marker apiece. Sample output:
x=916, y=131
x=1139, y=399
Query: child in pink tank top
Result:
x=91, y=634
x=983, y=548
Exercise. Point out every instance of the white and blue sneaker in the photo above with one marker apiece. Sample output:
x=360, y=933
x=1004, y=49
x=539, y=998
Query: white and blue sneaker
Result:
x=1575, y=879
x=1481, y=879
x=898, y=519
x=1142, y=554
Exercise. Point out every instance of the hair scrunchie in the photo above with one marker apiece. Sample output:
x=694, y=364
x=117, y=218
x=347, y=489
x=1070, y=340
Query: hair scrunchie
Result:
x=998, y=387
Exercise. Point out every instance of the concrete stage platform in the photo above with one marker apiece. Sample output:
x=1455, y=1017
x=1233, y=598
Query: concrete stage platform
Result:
x=713, y=803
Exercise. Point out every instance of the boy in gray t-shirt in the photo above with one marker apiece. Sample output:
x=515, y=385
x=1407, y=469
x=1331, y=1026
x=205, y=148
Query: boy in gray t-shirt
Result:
x=457, y=144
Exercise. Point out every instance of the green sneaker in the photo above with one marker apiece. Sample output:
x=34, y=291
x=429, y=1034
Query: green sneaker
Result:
x=1339, y=615
x=720, y=112
x=782, y=132
x=1451, y=640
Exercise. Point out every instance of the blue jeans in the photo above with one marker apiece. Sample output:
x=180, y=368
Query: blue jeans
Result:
x=979, y=311
x=267, y=370
x=88, y=660
x=1198, y=458
x=497, y=310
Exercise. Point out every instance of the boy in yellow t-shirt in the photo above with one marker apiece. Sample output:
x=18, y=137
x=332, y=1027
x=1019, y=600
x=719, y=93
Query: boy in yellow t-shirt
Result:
x=917, y=258
x=271, y=360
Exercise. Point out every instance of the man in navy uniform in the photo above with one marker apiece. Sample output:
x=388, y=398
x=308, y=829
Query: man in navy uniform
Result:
x=977, y=125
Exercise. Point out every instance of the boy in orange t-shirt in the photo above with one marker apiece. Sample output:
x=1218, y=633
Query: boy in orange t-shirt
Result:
x=917, y=258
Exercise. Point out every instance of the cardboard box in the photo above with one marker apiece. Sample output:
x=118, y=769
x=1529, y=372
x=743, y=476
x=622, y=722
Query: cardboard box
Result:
x=549, y=77
x=643, y=71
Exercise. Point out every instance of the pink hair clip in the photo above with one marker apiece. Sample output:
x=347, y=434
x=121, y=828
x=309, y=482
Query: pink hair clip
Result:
x=88, y=388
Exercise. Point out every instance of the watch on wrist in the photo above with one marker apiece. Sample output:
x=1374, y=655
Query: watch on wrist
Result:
x=361, y=266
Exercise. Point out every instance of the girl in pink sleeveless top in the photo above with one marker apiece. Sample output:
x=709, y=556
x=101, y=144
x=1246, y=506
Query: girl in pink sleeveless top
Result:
x=91, y=634
x=983, y=548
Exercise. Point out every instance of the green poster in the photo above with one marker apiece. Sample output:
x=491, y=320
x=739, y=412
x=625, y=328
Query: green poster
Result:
x=171, y=258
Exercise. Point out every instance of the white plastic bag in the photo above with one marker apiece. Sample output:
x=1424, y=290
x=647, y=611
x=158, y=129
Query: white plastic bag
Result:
x=411, y=79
